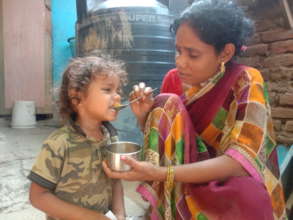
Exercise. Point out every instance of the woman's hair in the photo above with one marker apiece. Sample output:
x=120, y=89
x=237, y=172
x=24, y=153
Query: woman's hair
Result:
x=217, y=22
x=80, y=72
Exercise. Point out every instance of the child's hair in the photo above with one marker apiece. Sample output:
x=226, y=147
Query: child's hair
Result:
x=79, y=74
x=217, y=22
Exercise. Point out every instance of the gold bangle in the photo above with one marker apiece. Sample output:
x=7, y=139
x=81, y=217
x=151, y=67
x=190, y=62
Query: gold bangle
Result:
x=168, y=187
x=170, y=177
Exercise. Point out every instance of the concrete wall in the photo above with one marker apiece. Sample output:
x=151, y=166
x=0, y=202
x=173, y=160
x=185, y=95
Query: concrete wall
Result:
x=25, y=68
x=1, y=58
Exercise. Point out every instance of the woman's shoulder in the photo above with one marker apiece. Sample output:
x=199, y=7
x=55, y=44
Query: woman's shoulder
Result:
x=249, y=76
x=250, y=86
x=253, y=74
x=171, y=75
x=173, y=71
x=171, y=82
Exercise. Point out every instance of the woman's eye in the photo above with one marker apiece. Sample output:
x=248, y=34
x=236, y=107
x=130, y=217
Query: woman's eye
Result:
x=193, y=56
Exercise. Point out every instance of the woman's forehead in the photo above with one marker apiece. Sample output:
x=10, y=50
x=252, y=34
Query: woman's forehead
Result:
x=187, y=38
x=185, y=34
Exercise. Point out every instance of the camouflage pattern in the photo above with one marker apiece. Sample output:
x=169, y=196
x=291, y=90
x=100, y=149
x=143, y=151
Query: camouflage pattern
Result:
x=69, y=164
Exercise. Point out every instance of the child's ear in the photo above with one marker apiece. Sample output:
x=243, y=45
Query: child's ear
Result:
x=74, y=97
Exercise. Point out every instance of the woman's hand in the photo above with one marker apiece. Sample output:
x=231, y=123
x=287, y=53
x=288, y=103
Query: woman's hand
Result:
x=142, y=107
x=141, y=171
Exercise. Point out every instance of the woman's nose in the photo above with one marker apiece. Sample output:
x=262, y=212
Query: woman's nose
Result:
x=180, y=61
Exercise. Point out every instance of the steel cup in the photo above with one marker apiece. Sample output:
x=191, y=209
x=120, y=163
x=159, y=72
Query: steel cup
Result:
x=115, y=150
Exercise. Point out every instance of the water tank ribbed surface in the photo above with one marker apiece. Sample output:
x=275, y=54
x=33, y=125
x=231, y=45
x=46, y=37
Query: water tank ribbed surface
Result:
x=136, y=32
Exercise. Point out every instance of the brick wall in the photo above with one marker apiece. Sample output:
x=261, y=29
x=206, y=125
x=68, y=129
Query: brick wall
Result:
x=271, y=51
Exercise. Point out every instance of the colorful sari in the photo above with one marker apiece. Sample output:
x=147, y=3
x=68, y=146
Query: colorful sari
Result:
x=202, y=123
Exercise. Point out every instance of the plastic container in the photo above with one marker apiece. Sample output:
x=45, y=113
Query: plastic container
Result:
x=23, y=114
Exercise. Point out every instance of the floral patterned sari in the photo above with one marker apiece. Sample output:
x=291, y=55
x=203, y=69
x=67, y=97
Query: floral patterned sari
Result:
x=206, y=122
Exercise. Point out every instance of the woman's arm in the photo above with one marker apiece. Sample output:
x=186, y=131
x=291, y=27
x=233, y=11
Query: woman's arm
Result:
x=219, y=168
x=118, y=200
x=41, y=198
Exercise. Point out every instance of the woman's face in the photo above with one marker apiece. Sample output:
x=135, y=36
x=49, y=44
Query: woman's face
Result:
x=196, y=61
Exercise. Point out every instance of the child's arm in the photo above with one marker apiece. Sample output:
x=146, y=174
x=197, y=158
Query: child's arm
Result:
x=118, y=200
x=43, y=199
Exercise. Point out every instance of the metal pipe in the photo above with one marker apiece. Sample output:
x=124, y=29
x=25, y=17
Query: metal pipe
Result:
x=81, y=9
x=288, y=12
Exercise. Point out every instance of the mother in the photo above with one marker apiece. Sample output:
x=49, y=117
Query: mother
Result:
x=209, y=143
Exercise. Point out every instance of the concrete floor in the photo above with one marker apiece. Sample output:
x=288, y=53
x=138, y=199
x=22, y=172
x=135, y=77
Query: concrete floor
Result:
x=18, y=149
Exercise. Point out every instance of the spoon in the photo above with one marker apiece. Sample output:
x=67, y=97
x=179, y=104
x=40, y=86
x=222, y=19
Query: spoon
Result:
x=122, y=106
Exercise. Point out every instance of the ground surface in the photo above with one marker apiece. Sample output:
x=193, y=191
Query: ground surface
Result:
x=18, y=149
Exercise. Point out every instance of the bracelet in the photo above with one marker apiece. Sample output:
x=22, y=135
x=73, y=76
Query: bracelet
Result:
x=170, y=178
x=168, y=186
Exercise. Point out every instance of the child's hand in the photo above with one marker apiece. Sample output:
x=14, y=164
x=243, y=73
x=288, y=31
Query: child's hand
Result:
x=119, y=217
x=111, y=216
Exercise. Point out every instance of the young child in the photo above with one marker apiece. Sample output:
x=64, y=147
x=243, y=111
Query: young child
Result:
x=68, y=181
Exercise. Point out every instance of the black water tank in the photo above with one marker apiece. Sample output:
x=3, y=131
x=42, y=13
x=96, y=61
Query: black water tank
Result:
x=134, y=31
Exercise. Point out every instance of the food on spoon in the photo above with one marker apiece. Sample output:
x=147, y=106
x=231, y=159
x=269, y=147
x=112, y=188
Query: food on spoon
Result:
x=117, y=105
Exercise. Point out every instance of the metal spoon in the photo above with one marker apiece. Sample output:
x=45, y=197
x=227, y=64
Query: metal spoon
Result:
x=119, y=107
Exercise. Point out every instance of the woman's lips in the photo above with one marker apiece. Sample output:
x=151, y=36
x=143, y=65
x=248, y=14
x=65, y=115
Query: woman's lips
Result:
x=183, y=75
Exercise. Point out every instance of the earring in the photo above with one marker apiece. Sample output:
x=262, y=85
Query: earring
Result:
x=223, y=67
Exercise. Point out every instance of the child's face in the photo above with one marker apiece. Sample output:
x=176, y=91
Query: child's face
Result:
x=101, y=96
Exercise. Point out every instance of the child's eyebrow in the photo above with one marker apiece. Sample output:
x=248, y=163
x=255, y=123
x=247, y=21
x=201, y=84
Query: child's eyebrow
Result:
x=110, y=84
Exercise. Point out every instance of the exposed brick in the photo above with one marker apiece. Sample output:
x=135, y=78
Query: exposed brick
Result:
x=277, y=125
x=287, y=73
x=279, y=87
x=265, y=72
x=286, y=99
x=275, y=64
x=273, y=98
x=264, y=25
x=276, y=74
x=254, y=40
x=250, y=61
x=273, y=86
x=286, y=139
x=276, y=35
x=282, y=47
x=289, y=126
x=282, y=112
x=279, y=60
x=258, y=49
